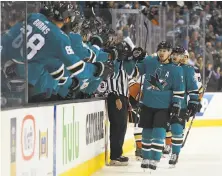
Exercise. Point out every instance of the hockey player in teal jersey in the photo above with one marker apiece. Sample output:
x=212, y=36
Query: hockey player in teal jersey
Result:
x=187, y=109
x=162, y=95
x=90, y=53
x=47, y=44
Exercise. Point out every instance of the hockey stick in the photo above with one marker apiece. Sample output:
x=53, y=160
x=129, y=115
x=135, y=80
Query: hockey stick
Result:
x=137, y=109
x=145, y=24
x=191, y=123
x=188, y=131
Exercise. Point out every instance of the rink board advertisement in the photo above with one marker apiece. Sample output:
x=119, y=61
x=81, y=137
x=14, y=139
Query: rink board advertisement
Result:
x=65, y=139
x=211, y=107
x=80, y=135
x=27, y=143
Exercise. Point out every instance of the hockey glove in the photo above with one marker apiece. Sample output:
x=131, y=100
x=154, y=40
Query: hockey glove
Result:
x=124, y=51
x=175, y=110
x=9, y=69
x=74, y=89
x=104, y=69
x=193, y=107
x=138, y=54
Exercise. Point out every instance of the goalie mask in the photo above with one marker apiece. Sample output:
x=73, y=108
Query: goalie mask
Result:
x=177, y=54
x=164, y=50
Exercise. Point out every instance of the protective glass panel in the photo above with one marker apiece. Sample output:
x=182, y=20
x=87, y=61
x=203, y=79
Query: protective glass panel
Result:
x=13, y=54
x=128, y=23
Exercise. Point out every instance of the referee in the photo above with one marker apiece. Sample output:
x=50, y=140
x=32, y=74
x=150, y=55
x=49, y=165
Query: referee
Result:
x=118, y=110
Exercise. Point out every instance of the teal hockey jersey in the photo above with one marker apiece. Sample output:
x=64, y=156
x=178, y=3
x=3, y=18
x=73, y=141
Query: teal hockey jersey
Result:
x=191, y=86
x=163, y=83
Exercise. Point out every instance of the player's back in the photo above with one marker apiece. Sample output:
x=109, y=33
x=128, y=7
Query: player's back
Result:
x=43, y=39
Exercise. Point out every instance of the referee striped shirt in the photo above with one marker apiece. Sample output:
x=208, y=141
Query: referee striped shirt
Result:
x=118, y=83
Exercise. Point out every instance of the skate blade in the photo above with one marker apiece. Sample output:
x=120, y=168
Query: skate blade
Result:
x=147, y=170
x=171, y=166
x=116, y=163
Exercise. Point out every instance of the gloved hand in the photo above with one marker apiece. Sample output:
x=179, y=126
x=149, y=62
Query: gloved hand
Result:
x=124, y=51
x=9, y=69
x=193, y=107
x=138, y=54
x=175, y=110
x=74, y=89
x=104, y=69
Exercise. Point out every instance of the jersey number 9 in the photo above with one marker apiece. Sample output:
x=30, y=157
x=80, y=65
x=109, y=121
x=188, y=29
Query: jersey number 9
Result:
x=34, y=43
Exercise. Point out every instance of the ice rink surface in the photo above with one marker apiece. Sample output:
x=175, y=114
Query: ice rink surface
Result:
x=201, y=156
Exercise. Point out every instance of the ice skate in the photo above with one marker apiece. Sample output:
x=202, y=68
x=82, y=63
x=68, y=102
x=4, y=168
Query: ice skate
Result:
x=167, y=150
x=121, y=161
x=173, y=160
x=138, y=154
x=153, y=164
x=145, y=164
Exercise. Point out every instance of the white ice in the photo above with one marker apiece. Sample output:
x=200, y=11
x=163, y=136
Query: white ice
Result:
x=201, y=156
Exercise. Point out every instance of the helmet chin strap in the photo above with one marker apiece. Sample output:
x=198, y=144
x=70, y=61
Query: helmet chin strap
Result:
x=167, y=59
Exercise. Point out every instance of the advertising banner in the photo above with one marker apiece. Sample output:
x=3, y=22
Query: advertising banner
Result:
x=27, y=147
x=80, y=134
x=211, y=107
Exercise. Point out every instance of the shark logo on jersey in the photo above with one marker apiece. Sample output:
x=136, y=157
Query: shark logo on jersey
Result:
x=158, y=82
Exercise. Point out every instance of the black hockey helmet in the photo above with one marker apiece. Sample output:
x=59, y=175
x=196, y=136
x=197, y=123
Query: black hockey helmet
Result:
x=47, y=10
x=179, y=49
x=62, y=10
x=164, y=45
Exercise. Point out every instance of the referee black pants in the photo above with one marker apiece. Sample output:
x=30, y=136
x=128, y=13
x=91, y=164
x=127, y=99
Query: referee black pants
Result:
x=118, y=124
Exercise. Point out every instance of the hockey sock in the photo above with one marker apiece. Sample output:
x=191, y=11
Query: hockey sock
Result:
x=177, y=137
x=146, y=143
x=158, y=135
x=138, y=137
x=168, y=140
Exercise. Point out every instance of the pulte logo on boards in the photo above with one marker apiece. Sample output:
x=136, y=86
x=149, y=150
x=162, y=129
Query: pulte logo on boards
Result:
x=43, y=144
x=94, y=127
x=28, y=137
x=70, y=142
